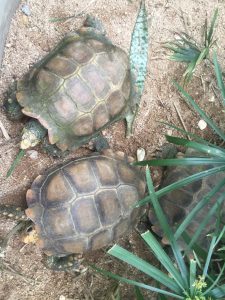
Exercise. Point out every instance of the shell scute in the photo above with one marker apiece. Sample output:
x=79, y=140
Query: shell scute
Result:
x=56, y=191
x=100, y=116
x=96, y=80
x=106, y=172
x=83, y=125
x=80, y=93
x=108, y=206
x=81, y=177
x=58, y=222
x=61, y=66
x=101, y=239
x=47, y=82
x=78, y=51
x=85, y=215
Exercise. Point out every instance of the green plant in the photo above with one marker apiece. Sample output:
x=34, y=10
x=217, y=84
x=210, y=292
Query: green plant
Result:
x=188, y=279
x=187, y=50
x=183, y=279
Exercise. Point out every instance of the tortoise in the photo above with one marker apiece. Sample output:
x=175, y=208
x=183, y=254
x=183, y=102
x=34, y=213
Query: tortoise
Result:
x=81, y=87
x=82, y=205
x=179, y=203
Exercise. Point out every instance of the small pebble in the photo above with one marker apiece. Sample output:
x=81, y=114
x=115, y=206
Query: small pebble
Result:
x=140, y=154
x=33, y=154
x=202, y=124
x=62, y=297
x=26, y=9
x=212, y=99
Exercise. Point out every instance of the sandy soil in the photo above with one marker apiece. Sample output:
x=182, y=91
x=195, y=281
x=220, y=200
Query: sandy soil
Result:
x=29, y=39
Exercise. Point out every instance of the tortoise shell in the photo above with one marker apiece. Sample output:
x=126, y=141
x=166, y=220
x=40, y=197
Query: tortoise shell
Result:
x=85, y=204
x=180, y=202
x=78, y=89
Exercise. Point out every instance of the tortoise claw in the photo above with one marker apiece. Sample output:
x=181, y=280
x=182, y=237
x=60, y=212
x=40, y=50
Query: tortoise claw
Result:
x=70, y=263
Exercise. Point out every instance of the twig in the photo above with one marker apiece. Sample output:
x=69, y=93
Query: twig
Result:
x=66, y=19
x=184, y=21
x=12, y=232
x=181, y=119
x=4, y=132
x=8, y=269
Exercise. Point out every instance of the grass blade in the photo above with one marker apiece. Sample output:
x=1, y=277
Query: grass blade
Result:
x=219, y=77
x=195, y=161
x=198, y=208
x=144, y=267
x=181, y=183
x=193, y=272
x=215, y=281
x=162, y=257
x=206, y=220
x=138, y=293
x=202, y=114
x=218, y=292
x=197, y=146
x=15, y=162
x=166, y=228
x=211, y=29
x=139, y=284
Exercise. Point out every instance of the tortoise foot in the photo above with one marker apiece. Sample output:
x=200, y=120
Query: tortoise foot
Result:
x=52, y=149
x=70, y=263
x=13, y=212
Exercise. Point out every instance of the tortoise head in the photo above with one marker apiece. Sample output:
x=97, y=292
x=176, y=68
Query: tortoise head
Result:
x=92, y=23
x=32, y=134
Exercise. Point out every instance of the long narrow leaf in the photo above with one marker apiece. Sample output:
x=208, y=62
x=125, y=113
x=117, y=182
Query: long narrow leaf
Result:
x=211, y=29
x=208, y=291
x=188, y=133
x=139, y=49
x=219, y=77
x=181, y=183
x=203, y=202
x=139, y=284
x=166, y=228
x=193, y=271
x=197, y=146
x=191, y=101
x=144, y=267
x=206, y=219
x=162, y=257
x=218, y=292
x=138, y=293
x=181, y=162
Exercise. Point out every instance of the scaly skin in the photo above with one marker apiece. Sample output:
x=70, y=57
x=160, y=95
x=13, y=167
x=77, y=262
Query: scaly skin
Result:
x=13, y=212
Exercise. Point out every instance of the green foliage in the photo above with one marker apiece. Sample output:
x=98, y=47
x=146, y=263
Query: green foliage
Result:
x=183, y=277
x=16, y=161
x=187, y=50
x=139, y=50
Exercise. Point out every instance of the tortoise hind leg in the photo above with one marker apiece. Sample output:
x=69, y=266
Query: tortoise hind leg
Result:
x=70, y=263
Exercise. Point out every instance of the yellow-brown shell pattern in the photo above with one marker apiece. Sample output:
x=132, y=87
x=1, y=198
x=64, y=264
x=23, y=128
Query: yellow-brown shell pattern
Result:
x=85, y=204
x=78, y=90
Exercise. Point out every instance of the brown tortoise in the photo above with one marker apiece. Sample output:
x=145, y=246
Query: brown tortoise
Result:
x=181, y=202
x=82, y=205
x=78, y=89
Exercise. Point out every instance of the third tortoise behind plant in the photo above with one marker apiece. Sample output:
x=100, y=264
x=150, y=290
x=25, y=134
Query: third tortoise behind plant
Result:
x=180, y=202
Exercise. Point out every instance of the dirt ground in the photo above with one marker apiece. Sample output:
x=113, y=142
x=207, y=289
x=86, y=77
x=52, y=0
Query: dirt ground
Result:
x=32, y=37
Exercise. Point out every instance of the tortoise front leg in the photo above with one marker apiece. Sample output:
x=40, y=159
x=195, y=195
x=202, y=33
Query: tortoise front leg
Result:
x=13, y=212
x=69, y=263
